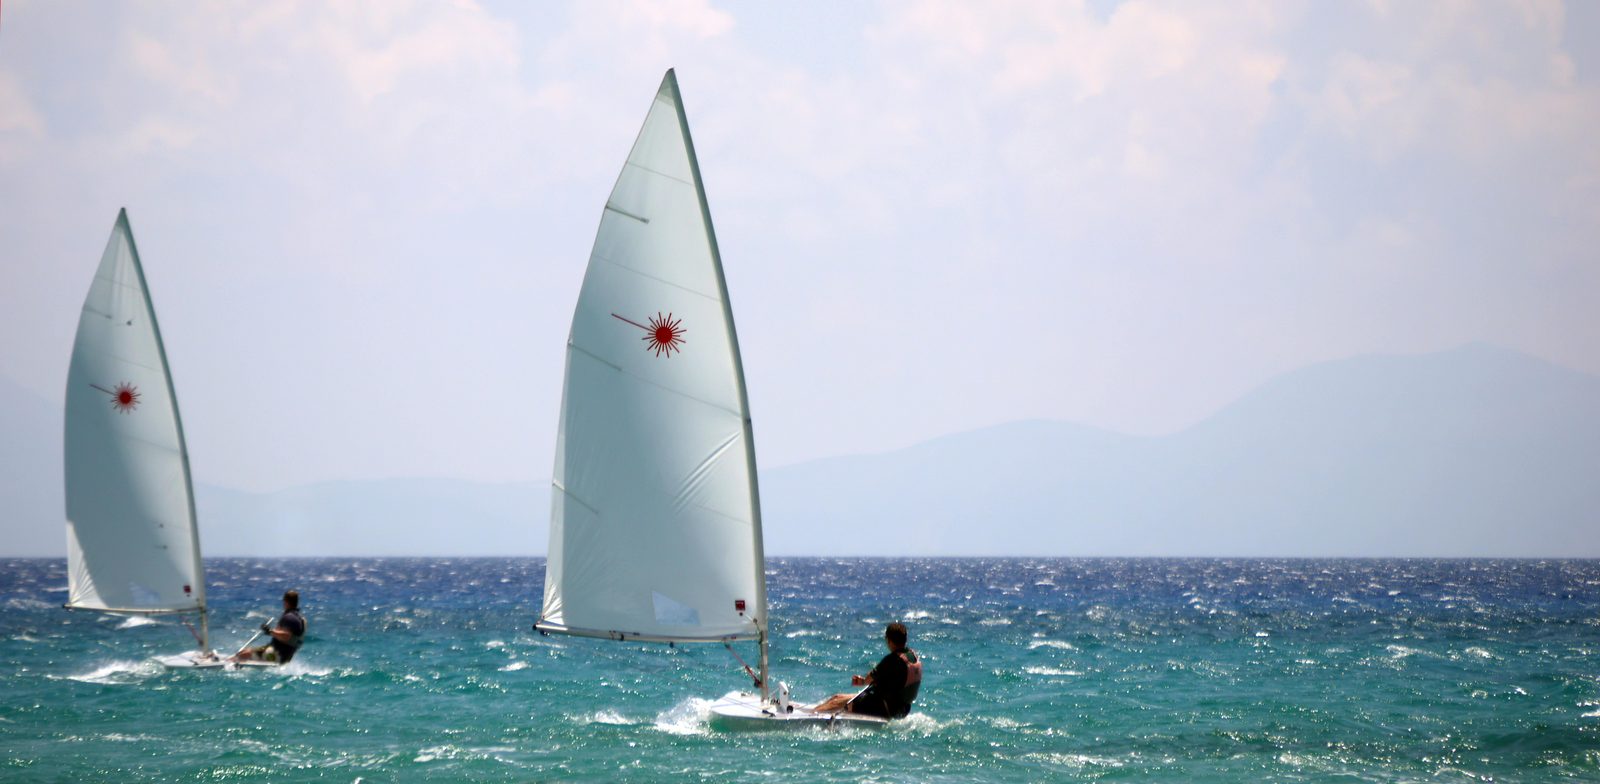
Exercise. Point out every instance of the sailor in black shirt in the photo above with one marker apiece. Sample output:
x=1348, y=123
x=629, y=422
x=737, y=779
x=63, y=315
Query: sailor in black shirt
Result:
x=287, y=636
x=891, y=686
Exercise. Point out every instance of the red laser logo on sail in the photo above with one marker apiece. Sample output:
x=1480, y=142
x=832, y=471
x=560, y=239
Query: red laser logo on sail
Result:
x=124, y=398
x=664, y=333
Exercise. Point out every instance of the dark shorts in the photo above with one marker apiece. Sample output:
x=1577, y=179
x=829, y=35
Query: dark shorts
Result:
x=871, y=703
x=279, y=652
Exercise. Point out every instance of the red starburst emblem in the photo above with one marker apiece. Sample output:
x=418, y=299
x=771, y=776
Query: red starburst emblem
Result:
x=664, y=334
x=125, y=398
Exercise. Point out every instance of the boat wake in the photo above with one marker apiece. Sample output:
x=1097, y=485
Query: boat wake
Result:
x=117, y=673
x=297, y=669
x=690, y=717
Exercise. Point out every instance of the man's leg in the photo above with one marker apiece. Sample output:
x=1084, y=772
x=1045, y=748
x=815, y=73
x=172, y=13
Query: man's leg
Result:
x=834, y=704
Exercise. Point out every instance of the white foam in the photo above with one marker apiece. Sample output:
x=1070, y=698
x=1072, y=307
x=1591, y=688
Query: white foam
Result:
x=1050, y=671
x=298, y=667
x=1076, y=760
x=121, y=671
x=1061, y=644
x=135, y=621
x=514, y=666
x=690, y=717
x=604, y=717
x=921, y=723
x=495, y=644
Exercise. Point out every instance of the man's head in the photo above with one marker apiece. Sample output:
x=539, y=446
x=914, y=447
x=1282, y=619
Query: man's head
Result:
x=291, y=601
x=895, y=635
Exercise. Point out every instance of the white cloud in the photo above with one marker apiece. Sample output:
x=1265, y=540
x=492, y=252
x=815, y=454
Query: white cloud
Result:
x=21, y=125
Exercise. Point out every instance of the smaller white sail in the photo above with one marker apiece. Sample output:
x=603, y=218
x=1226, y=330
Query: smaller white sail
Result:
x=132, y=543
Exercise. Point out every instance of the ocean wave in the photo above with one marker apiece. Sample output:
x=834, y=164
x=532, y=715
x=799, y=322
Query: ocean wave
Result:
x=922, y=724
x=1060, y=644
x=1076, y=761
x=603, y=717
x=299, y=668
x=1051, y=671
x=135, y=621
x=116, y=673
x=692, y=716
x=514, y=666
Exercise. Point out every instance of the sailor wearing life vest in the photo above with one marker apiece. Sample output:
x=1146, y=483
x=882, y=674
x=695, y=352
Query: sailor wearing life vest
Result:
x=891, y=686
x=287, y=636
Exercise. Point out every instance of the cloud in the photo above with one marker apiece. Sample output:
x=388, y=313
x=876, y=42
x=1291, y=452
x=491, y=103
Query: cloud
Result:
x=20, y=121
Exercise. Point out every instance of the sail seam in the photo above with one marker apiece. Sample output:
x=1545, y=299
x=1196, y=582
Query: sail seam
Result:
x=119, y=358
x=663, y=281
x=643, y=380
x=659, y=173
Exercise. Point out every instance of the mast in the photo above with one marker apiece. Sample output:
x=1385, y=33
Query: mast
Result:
x=744, y=396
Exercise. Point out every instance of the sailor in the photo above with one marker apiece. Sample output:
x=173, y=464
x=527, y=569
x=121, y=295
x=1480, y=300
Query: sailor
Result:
x=891, y=686
x=287, y=636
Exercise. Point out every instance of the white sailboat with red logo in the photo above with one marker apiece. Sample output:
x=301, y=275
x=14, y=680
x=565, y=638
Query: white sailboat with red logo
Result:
x=655, y=529
x=132, y=544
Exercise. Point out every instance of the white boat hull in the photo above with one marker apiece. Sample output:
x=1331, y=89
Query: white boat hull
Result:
x=741, y=710
x=196, y=660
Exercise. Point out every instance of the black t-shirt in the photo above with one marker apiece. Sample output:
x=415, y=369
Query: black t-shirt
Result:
x=292, y=623
x=889, y=689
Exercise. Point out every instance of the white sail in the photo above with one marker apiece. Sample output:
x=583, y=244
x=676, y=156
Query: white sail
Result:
x=132, y=545
x=655, y=529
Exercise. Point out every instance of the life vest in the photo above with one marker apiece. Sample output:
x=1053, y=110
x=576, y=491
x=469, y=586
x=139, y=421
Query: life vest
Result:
x=295, y=640
x=908, y=692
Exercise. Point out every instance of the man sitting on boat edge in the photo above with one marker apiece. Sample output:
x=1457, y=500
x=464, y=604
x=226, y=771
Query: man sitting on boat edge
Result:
x=287, y=636
x=891, y=686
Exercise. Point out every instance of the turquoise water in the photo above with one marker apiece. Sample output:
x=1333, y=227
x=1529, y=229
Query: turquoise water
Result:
x=1062, y=670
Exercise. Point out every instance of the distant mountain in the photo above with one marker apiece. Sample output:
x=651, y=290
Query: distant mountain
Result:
x=1473, y=452
x=377, y=517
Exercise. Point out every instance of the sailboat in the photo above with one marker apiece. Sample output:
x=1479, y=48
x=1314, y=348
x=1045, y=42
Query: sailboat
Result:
x=132, y=544
x=655, y=525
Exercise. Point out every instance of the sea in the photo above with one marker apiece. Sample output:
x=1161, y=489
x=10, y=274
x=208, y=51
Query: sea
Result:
x=1037, y=669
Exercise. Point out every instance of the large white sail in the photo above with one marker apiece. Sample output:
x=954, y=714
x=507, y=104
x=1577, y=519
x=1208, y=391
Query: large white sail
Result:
x=655, y=529
x=132, y=545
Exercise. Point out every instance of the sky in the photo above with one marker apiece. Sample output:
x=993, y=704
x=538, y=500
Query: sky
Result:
x=364, y=224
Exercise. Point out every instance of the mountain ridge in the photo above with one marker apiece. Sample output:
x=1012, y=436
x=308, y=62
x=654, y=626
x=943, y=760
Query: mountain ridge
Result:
x=1474, y=451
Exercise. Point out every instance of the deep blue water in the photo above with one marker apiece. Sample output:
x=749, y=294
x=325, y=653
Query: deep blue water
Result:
x=1037, y=669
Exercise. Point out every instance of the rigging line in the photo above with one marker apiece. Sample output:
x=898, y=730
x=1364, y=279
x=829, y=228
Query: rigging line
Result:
x=196, y=634
x=747, y=670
